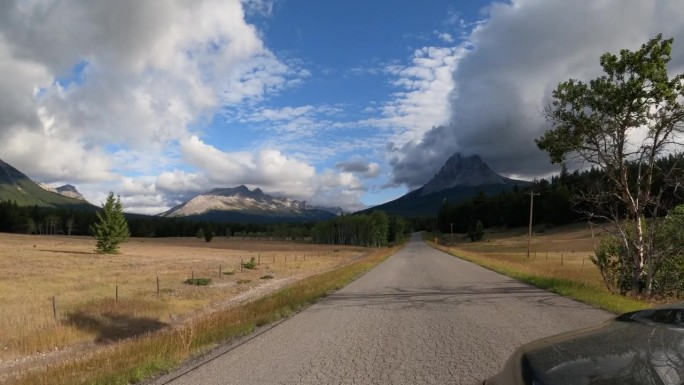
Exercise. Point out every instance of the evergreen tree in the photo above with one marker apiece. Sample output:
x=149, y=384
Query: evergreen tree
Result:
x=111, y=227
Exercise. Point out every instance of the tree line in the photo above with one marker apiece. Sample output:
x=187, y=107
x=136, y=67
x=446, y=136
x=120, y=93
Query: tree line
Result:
x=561, y=200
x=52, y=221
x=369, y=230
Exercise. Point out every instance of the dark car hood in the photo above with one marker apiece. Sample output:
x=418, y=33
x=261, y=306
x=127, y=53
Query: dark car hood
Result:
x=645, y=347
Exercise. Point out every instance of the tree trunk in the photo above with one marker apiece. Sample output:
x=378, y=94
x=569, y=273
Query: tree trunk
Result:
x=639, y=254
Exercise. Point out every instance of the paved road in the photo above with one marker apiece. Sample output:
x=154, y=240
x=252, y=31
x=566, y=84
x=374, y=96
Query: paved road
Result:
x=421, y=317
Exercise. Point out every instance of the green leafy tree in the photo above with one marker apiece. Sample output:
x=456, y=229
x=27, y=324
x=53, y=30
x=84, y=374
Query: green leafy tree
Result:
x=208, y=234
x=111, y=227
x=596, y=123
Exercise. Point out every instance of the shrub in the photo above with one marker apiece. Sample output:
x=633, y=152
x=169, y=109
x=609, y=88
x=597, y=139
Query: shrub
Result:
x=267, y=276
x=228, y=272
x=251, y=265
x=208, y=235
x=198, y=281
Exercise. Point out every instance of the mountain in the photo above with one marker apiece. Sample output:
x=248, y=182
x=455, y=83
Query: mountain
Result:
x=240, y=204
x=67, y=190
x=464, y=171
x=17, y=187
x=459, y=179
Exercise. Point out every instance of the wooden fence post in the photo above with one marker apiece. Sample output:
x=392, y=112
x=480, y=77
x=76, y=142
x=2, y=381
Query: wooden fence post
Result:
x=117, y=293
x=54, y=307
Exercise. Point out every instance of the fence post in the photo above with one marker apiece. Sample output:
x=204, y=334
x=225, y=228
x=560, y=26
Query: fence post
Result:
x=241, y=262
x=157, y=285
x=259, y=260
x=220, y=270
x=117, y=293
x=54, y=307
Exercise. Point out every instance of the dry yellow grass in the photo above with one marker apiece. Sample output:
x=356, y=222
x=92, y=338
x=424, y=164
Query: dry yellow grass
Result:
x=33, y=269
x=557, y=253
x=559, y=261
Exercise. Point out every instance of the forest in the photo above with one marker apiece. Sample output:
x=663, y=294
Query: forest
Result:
x=559, y=201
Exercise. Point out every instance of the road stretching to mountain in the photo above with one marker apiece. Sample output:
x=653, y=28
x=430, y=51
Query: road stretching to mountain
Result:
x=420, y=317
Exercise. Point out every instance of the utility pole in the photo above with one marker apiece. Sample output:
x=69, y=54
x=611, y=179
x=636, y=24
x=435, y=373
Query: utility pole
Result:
x=529, y=232
x=452, y=232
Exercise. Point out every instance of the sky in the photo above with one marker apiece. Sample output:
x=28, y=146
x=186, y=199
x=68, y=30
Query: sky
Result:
x=340, y=103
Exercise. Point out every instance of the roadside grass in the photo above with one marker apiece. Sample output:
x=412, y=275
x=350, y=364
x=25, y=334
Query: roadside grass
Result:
x=147, y=276
x=136, y=359
x=576, y=278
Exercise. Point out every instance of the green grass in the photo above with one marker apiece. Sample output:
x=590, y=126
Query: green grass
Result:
x=580, y=291
x=137, y=359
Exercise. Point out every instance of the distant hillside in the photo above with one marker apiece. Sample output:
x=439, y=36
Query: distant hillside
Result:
x=459, y=179
x=17, y=187
x=241, y=205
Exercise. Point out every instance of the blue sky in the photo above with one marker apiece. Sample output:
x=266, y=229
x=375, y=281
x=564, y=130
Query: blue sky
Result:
x=339, y=103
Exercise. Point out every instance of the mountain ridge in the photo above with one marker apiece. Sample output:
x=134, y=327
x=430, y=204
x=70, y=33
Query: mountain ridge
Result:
x=227, y=204
x=15, y=186
x=458, y=180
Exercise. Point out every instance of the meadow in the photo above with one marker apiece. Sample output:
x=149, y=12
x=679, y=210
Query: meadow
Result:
x=99, y=299
x=559, y=261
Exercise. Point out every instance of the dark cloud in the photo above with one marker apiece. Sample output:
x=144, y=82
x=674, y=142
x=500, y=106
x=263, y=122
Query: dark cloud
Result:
x=360, y=167
x=517, y=58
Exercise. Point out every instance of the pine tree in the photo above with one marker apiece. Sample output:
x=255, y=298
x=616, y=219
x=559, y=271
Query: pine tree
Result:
x=111, y=227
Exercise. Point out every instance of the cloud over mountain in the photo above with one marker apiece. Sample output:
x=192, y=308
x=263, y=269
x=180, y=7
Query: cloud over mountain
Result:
x=515, y=59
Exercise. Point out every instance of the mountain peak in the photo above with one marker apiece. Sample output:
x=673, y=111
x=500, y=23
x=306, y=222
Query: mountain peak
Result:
x=462, y=170
x=70, y=191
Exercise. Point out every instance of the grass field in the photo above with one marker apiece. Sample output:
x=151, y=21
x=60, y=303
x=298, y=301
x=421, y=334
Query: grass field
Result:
x=34, y=269
x=136, y=359
x=559, y=261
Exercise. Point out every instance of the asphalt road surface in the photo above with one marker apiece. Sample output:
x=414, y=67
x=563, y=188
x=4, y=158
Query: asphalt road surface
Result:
x=420, y=317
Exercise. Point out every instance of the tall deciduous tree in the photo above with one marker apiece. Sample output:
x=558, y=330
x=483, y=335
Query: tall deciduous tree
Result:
x=111, y=227
x=632, y=113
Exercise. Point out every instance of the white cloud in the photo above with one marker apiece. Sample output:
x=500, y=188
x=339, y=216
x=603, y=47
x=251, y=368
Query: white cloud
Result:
x=422, y=101
x=129, y=74
x=271, y=170
x=445, y=37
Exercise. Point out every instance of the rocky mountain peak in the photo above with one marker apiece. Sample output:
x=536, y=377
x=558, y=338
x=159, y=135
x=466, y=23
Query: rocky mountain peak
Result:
x=460, y=170
x=69, y=191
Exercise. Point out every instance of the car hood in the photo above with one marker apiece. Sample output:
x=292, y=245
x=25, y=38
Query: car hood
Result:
x=645, y=347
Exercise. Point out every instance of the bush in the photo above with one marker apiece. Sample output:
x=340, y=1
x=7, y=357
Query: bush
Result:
x=611, y=259
x=268, y=276
x=198, y=281
x=251, y=265
x=208, y=235
x=228, y=272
